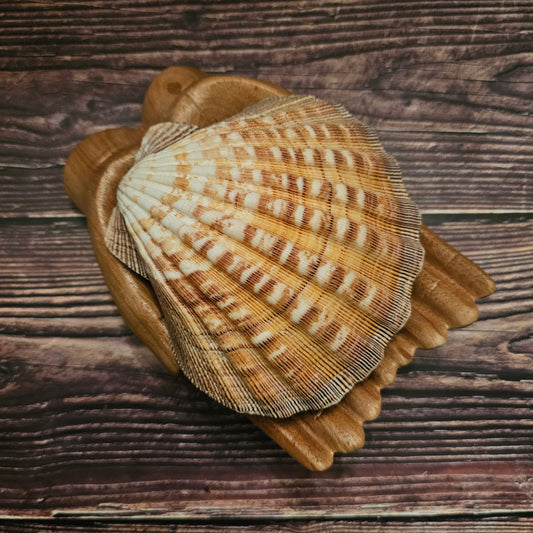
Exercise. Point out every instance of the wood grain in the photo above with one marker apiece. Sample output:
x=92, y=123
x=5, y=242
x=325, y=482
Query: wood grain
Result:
x=435, y=159
x=447, y=87
x=505, y=524
x=50, y=278
x=94, y=429
x=105, y=405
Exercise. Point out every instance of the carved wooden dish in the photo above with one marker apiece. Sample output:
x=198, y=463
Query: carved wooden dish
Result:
x=443, y=297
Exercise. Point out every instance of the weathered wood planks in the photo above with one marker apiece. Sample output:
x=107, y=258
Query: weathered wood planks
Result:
x=436, y=157
x=104, y=407
x=50, y=276
x=89, y=417
x=514, y=524
x=448, y=86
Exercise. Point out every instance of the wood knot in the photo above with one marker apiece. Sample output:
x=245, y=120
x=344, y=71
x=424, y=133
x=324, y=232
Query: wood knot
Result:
x=8, y=370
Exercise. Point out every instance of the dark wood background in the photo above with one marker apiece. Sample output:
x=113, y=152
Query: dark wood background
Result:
x=95, y=436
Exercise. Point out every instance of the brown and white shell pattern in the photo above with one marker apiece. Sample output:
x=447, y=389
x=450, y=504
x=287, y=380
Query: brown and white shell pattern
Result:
x=281, y=245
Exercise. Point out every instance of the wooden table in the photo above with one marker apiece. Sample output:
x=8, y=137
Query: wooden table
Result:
x=96, y=436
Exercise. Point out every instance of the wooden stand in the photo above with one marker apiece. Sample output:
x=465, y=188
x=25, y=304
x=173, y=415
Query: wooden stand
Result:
x=444, y=293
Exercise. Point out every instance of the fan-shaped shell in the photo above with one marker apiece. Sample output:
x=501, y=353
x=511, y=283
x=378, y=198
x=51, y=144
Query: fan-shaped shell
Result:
x=282, y=247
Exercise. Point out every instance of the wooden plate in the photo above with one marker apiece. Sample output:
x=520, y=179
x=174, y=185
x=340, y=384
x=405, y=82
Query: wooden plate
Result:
x=444, y=293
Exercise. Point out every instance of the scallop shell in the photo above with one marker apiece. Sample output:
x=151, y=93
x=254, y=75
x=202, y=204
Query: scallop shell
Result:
x=281, y=245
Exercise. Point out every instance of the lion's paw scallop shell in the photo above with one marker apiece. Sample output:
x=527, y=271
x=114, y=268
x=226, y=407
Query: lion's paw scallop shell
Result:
x=282, y=247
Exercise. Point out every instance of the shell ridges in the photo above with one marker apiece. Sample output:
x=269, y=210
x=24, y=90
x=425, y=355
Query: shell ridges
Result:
x=282, y=247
